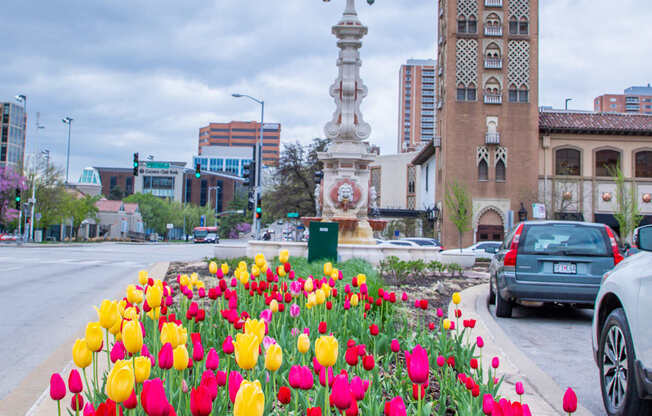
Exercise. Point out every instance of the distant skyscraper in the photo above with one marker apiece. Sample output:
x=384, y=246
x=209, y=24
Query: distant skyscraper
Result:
x=12, y=139
x=634, y=100
x=416, y=103
x=243, y=134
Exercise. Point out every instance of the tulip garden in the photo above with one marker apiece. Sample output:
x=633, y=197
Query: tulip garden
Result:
x=260, y=339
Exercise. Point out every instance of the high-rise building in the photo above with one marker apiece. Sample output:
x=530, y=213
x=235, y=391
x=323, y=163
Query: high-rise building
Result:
x=487, y=114
x=416, y=103
x=633, y=100
x=231, y=160
x=243, y=134
x=12, y=139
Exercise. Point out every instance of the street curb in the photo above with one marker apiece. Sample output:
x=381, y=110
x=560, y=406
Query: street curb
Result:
x=543, y=385
x=60, y=361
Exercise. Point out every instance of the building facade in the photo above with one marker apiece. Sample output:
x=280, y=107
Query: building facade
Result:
x=487, y=114
x=577, y=152
x=231, y=160
x=243, y=134
x=637, y=100
x=416, y=103
x=12, y=139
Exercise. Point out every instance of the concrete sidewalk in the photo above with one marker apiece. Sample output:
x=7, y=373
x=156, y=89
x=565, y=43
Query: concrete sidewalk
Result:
x=542, y=394
x=31, y=397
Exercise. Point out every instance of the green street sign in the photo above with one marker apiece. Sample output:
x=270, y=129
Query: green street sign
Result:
x=293, y=215
x=158, y=165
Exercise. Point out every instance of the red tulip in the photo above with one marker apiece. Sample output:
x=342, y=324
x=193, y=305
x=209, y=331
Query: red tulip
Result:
x=353, y=408
x=417, y=365
x=341, y=394
x=235, y=379
x=368, y=362
x=373, y=329
x=212, y=359
x=395, y=346
x=451, y=361
x=395, y=407
x=570, y=401
x=351, y=356
x=166, y=357
x=153, y=399
x=220, y=376
x=77, y=402
x=431, y=326
x=418, y=391
x=201, y=403
x=313, y=411
x=517, y=409
x=322, y=327
x=131, y=402
x=423, y=304
x=57, y=387
x=209, y=381
x=474, y=363
x=75, y=383
x=458, y=313
x=284, y=395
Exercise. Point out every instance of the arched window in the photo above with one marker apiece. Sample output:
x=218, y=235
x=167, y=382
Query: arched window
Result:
x=500, y=171
x=483, y=170
x=606, y=161
x=513, y=26
x=523, y=26
x=644, y=164
x=461, y=24
x=473, y=25
x=465, y=25
x=492, y=59
x=567, y=162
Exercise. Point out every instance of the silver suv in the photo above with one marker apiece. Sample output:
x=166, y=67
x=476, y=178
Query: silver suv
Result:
x=622, y=332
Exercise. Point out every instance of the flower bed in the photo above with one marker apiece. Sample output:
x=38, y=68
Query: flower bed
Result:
x=261, y=339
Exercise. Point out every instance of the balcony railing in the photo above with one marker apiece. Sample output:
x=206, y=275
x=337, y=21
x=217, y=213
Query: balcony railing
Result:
x=493, y=99
x=492, y=138
x=493, y=30
x=493, y=63
x=493, y=3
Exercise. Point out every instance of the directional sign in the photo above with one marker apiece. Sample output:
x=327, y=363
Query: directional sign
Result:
x=158, y=165
x=293, y=215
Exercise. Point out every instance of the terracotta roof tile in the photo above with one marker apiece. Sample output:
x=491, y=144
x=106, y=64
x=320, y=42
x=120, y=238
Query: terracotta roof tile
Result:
x=106, y=205
x=595, y=123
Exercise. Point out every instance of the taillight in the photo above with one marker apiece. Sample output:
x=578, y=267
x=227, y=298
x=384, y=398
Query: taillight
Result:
x=510, y=256
x=614, y=246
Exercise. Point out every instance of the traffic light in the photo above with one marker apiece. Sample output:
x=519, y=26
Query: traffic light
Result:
x=197, y=170
x=249, y=174
x=259, y=210
x=18, y=198
x=136, y=164
x=319, y=175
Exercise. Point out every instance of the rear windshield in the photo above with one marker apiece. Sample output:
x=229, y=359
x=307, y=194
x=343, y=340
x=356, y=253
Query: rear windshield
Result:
x=564, y=239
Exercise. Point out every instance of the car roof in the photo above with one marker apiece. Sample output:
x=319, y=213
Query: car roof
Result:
x=559, y=222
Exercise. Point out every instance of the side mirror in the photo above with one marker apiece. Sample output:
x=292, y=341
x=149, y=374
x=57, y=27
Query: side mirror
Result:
x=643, y=238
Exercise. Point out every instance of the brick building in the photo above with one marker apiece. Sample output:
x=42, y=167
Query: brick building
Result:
x=633, y=100
x=12, y=135
x=487, y=114
x=416, y=102
x=243, y=134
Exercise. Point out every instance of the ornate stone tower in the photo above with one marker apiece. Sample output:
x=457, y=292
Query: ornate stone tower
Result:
x=345, y=187
x=487, y=110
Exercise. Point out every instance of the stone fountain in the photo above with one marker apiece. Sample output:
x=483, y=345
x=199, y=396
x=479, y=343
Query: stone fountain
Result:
x=345, y=191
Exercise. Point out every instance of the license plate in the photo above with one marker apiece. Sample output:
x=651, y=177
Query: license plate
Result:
x=565, y=268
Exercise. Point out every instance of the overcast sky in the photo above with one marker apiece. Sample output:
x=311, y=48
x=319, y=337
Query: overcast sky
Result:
x=146, y=75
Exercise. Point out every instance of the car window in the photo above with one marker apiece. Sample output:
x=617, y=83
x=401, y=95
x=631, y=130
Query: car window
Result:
x=422, y=242
x=564, y=239
x=401, y=243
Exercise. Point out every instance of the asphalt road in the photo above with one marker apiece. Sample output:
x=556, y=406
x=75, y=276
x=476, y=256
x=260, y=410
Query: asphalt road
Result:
x=48, y=292
x=558, y=340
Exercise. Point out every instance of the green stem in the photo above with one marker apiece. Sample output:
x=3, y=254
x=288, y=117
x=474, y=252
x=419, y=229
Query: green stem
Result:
x=108, y=353
x=327, y=407
x=59, y=407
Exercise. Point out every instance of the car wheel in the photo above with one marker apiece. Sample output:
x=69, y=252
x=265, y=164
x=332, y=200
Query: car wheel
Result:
x=492, y=294
x=616, y=360
x=503, y=307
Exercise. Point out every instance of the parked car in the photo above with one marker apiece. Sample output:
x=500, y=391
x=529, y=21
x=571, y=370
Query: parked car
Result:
x=403, y=243
x=622, y=332
x=483, y=249
x=212, y=238
x=551, y=261
x=424, y=242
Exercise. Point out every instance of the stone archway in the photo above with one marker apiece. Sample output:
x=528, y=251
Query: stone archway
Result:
x=490, y=225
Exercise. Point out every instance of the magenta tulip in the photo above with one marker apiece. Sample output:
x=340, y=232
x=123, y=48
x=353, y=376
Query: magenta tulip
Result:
x=227, y=345
x=153, y=398
x=75, y=383
x=197, y=351
x=294, y=377
x=519, y=388
x=322, y=376
x=57, y=387
x=417, y=365
x=495, y=362
x=118, y=352
x=570, y=401
x=209, y=381
x=89, y=410
x=487, y=404
x=341, y=395
x=220, y=376
x=395, y=345
x=201, y=403
x=359, y=388
x=307, y=381
x=166, y=357
x=395, y=407
x=235, y=379
x=212, y=360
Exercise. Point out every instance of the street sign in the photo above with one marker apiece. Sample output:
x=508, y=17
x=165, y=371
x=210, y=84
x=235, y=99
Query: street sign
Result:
x=170, y=226
x=397, y=233
x=300, y=227
x=539, y=211
x=158, y=165
x=293, y=215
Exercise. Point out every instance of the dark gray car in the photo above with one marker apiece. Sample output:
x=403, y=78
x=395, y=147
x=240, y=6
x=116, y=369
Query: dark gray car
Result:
x=551, y=261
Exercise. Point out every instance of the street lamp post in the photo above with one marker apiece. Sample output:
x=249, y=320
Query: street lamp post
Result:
x=258, y=158
x=566, y=103
x=68, y=121
x=22, y=98
x=217, y=190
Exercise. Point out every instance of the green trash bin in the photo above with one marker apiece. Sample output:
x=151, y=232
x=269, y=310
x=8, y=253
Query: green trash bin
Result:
x=322, y=242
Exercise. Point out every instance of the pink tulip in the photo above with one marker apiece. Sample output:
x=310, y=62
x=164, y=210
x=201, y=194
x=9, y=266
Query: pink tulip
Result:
x=495, y=362
x=570, y=401
x=307, y=381
x=363, y=289
x=220, y=376
x=526, y=410
x=235, y=379
x=227, y=345
x=212, y=360
x=295, y=310
x=234, y=282
x=479, y=342
x=316, y=366
x=404, y=297
x=441, y=361
x=359, y=387
x=210, y=382
x=417, y=365
x=166, y=357
x=519, y=388
x=153, y=399
x=201, y=292
x=294, y=377
x=322, y=376
x=57, y=387
x=266, y=315
x=395, y=346
x=487, y=404
x=440, y=313
x=395, y=407
x=347, y=305
x=75, y=382
x=341, y=395
x=197, y=351
x=118, y=352
x=89, y=410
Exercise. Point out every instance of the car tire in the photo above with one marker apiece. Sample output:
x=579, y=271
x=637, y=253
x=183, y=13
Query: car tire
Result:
x=614, y=332
x=503, y=307
x=492, y=294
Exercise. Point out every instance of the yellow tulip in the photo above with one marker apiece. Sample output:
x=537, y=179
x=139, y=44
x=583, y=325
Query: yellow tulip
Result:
x=335, y=274
x=259, y=260
x=93, y=336
x=170, y=333
x=326, y=350
x=120, y=382
x=200, y=284
x=108, y=313
x=244, y=277
x=154, y=295
x=132, y=336
x=281, y=271
x=250, y=399
x=312, y=300
x=273, y=357
x=326, y=289
x=320, y=297
x=183, y=334
x=447, y=324
x=457, y=298
x=184, y=280
x=328, y=268
x=81, y=354
x=143, y=369
x=354, y=300
x=134, y=295
x=256, y=327
x=255, y=271
x=115, y=329
x=154, y=314
x=284, y=256
x=273, y=305
x=264, y=267
x=130, y=314
x=212, y=267
x=246, y=350
x=180, y=358
x=303, y=343
x=308, y=286
x=225, y=268
x=142, y=277
x=122, y=305
x=242, y=265
x=362, y=278
x=236, y=274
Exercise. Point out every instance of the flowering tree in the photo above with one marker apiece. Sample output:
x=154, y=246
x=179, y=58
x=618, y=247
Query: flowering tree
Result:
x=9, y=182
